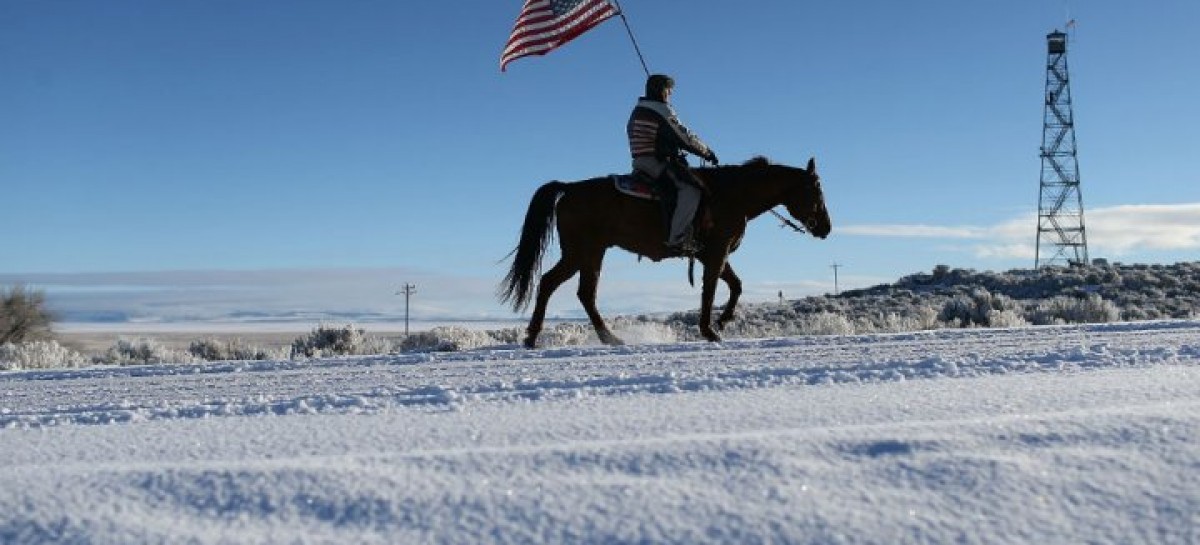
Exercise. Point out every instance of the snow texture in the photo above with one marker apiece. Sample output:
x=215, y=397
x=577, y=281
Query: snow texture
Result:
x=1069, y=434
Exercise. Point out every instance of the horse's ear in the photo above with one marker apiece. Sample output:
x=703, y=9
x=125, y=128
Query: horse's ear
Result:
x=812, y=165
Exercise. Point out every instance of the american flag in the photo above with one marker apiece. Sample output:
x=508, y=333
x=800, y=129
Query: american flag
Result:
x=546, y=24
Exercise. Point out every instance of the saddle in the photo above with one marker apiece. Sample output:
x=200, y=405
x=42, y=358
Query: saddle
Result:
x=636, y=185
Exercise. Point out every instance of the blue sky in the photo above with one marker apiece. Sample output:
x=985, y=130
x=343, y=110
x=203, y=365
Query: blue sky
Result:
x=201, y=157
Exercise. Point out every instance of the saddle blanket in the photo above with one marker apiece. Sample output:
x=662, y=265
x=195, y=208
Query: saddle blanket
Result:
x=634, y=185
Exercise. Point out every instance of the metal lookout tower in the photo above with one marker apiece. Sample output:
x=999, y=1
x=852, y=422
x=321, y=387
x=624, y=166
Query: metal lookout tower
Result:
x=1060, y=233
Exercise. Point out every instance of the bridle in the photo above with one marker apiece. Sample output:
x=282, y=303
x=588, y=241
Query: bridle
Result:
x=784, y=222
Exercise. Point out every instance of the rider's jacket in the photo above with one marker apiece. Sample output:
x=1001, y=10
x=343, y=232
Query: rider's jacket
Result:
x=655, y=131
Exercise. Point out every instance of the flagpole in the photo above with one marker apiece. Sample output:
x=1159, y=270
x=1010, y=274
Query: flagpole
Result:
x=621, y=12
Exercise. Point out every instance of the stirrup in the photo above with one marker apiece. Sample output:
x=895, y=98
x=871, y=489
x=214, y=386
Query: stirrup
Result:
x=687, y=248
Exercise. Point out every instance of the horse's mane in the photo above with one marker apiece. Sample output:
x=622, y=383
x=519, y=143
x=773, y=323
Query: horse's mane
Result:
x=757, y=161
x=730, y=173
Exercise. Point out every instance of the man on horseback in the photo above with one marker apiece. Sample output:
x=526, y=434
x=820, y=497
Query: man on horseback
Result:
x=657, y=141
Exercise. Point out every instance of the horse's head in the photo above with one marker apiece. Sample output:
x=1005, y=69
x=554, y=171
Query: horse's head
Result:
x=806, y=202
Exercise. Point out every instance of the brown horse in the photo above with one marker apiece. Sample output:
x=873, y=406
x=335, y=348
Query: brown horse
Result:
x=593, y=216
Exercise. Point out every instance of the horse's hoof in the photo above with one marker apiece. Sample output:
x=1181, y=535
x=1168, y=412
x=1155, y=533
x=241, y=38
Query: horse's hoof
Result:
x=530, y=342
x=711, y=336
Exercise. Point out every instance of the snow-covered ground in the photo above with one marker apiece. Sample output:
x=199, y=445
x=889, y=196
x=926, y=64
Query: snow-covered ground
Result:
x=1034, y=435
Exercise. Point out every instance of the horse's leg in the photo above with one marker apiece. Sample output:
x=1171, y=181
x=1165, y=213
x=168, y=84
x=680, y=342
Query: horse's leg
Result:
x=712, y=271
x=735, y=290
x=589, y=281
x=559, y=273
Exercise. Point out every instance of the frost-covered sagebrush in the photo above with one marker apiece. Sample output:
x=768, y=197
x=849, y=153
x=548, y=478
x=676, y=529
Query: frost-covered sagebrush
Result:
x=38, y=355
x=212, y=349
x=142, y=352
x=1070, y=310
x=454, y=338
x=344, y=340
x=953, y=298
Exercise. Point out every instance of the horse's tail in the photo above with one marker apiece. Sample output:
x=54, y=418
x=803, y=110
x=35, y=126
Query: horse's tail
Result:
x=535, y=234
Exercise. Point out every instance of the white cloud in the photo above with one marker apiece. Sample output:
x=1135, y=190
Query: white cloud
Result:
x=1004, y=251
x=1114, y=231
x=1119, y=230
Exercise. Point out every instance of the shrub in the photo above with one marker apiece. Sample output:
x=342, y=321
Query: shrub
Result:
x=38, y=355
x=448, y=339
x=826, y=323
x=142, y=352
x=1006, y=318
x=346, y=340
x=208, y=349
x=23, y=316
x=1071, y=310
x=977, y=309
x=918, y=319
x=958, y=311
x=217, y=350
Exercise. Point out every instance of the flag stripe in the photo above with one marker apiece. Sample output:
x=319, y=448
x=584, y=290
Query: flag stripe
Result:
x=556, y=31
x=539, y=28
x=552, y=38
x=535, y=24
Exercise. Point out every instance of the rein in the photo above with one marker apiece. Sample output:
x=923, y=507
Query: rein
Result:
x=786, y=222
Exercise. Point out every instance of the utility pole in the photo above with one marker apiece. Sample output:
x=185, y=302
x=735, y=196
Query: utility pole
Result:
x=408, y=290
x=835, y=268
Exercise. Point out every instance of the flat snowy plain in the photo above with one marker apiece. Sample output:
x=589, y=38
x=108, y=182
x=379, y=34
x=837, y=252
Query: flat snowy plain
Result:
x=1078, y=434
